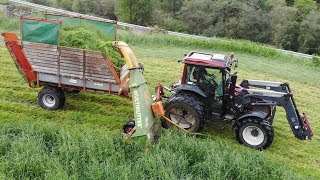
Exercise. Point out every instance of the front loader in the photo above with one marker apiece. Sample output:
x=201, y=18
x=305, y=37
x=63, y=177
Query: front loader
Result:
x=280, y=94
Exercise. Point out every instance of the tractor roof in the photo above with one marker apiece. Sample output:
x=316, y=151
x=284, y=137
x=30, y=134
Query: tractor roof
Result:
x=205, y=59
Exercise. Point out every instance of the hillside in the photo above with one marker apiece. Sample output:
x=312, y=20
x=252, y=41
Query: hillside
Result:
x=82, y=140
x=303, y=78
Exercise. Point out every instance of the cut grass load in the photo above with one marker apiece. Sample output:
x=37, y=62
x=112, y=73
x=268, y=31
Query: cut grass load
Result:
x=80, y=37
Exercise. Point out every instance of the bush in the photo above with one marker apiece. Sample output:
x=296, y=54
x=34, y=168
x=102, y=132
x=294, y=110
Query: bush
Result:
x=316, y=61
x=173, y=25
x=9, y=24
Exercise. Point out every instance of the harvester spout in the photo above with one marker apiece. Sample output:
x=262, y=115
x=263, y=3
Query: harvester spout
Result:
x=127, y=53
x=141, y=98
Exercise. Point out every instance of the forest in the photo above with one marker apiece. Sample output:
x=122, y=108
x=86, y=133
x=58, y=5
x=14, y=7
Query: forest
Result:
x=287, y=24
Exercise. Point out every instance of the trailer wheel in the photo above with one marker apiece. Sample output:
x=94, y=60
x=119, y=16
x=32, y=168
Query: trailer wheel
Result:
x=255, y=133
x=51, y=98
x=186, y=110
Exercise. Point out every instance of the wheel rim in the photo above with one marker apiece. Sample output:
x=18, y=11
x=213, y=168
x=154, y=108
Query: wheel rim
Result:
x=253, y=135
x=185, y=119
x=128, y=129
x=48, y=100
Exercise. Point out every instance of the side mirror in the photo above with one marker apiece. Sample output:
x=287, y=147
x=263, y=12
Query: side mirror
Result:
x=233, y=84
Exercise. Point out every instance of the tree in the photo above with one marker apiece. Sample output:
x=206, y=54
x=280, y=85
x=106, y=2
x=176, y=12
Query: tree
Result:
x=83, y=6
x=43, y=2
x=305, y=6
x=309, y=39
x=255, y=24
x=135, y=11
x=276, y=3
x=105, y=8
x=171, y=6
x=65, y=4
x=240, y=20
x=290, y=2
x=197, y=15
x=285, y=27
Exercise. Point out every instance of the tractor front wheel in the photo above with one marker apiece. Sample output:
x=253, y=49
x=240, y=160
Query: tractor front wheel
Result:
x=185, y=110
x=255, y=133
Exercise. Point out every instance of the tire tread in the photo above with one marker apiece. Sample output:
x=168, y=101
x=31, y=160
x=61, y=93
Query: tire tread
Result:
x=190, y=100
x=264, y=123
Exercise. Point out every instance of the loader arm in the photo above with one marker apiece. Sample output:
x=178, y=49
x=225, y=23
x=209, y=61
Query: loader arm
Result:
x=280, y=94
x=270, y=85
x=141, y=98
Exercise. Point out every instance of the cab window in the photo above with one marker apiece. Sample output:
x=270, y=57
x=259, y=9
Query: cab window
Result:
x=210, y=79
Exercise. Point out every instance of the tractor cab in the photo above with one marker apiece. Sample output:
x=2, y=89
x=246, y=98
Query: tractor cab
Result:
x=206, y=74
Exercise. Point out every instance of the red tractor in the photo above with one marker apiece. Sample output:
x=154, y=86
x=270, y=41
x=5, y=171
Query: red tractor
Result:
x=209, y=92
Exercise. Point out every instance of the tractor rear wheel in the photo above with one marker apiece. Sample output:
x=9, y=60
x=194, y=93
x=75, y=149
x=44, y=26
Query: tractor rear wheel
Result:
x=51, y=98
x=186, y=110
x=255, y=133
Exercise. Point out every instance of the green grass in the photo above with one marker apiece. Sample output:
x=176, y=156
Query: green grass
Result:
x=47, y=151
x=8, y=24
x=81, y=141
x=161, y=40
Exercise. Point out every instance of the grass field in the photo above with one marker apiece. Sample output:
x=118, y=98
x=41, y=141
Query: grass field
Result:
x=82, y=141
x=301, y=156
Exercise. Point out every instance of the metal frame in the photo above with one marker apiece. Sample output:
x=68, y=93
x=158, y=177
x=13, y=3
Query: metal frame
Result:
x=111, y=87
x=82, y=17
x=281, y=95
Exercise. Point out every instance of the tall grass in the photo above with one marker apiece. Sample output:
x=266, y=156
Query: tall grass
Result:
x=8, y=24
x=162, y=40
x=46, y=151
